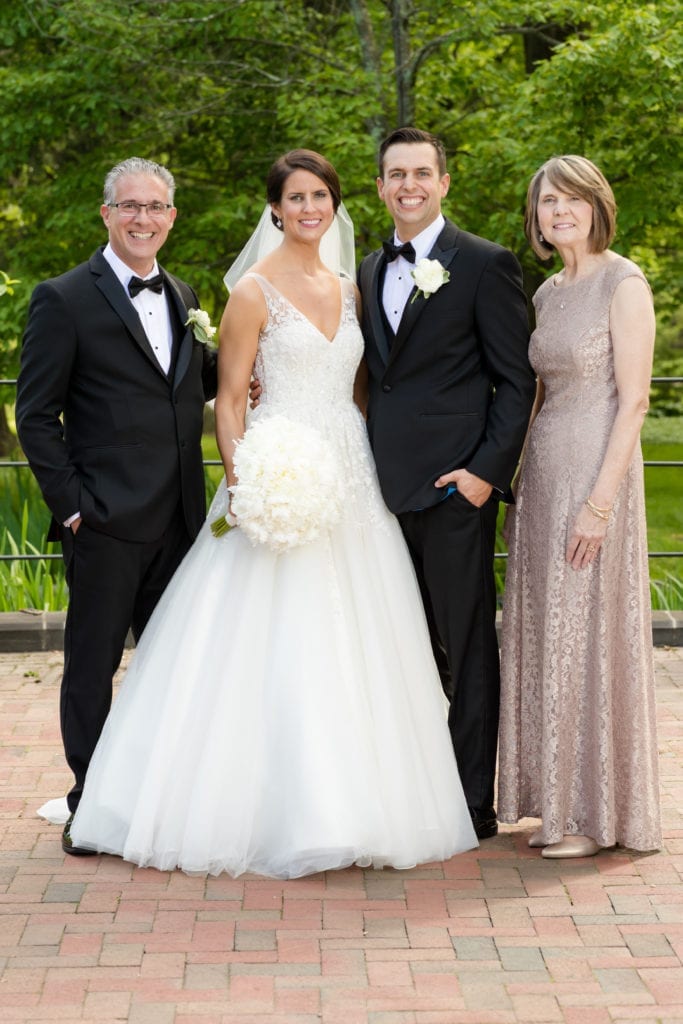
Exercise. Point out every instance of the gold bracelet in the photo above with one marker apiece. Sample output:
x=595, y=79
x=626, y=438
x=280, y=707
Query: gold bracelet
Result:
x=597, y=508
x=601, y=513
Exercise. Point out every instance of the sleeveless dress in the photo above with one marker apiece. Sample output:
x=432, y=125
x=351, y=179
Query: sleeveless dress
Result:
x=282, y=713
x=578, y=745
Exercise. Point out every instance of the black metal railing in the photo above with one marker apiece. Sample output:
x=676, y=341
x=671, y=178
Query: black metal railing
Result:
x=23, y=464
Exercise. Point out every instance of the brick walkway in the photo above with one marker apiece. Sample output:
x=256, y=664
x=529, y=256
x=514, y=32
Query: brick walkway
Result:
x=493, y=937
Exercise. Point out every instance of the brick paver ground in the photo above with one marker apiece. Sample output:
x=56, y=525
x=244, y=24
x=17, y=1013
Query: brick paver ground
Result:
x=498, y=936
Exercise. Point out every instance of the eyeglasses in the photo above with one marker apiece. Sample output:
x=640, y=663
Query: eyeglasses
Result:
x=131, y=209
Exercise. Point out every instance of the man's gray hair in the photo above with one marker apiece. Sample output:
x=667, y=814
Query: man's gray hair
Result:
x=136, y=165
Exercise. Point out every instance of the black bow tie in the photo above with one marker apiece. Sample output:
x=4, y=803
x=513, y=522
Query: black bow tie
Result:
x=406, y=250
x=136, y=284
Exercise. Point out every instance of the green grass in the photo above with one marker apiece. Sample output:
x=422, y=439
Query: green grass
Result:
x=212, y=474
x=664, y=504
x=662, y=430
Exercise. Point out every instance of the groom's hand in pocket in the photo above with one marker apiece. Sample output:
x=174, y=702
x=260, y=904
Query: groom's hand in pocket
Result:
x=473, y=488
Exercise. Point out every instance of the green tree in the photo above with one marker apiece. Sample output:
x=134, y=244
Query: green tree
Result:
x=9, y=333
x=217, y=88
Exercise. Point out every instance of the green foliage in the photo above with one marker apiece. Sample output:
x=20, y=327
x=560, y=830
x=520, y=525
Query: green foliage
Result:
x=666, y=399
x=6, y=283
x=23, y=584
x=14, y=297
x=38, y=583
x=661, y=431
x=18, y=491
x=217, y=88
x=664, y=507
x=667, y=592
x=12, y=309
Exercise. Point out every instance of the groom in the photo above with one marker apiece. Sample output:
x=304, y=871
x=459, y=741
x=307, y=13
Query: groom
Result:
x=450, y=393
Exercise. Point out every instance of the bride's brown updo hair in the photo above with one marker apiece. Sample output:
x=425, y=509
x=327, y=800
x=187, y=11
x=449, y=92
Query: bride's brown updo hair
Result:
x=301, y=160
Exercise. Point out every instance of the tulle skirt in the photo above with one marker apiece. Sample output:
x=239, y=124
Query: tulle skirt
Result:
x=282, y=715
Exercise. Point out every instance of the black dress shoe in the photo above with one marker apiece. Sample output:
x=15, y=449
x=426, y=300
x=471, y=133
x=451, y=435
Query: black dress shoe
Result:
x=67, y=843
x=485, y=822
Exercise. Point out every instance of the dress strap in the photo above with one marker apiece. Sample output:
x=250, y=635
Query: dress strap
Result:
x=264, y=284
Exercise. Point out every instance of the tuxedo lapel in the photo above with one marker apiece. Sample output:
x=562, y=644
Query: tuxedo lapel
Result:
x=110, y=286
x=374, y=300
x=183, y=339
x=444, y=250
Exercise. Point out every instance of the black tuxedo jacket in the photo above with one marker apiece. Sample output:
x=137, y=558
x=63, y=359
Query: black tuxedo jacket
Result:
x=453, y=389
x=105, y=430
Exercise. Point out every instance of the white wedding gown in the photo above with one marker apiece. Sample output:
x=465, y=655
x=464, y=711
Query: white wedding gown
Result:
x=282, y=713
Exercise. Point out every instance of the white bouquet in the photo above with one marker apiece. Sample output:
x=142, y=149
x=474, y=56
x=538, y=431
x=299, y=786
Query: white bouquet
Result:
x=288, y=488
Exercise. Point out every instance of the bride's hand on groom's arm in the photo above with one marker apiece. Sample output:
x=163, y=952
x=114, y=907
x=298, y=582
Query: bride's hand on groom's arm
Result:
x=254, y=392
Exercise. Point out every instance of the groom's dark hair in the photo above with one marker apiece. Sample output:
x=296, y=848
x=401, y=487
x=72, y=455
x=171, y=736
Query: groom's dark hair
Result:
x=412, y=135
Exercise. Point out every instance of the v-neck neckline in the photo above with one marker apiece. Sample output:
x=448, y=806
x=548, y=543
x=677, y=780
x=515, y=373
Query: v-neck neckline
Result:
x=308, y=320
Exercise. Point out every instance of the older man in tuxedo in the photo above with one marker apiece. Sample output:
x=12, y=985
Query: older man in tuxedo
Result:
x=109, y=412
x=450, y=393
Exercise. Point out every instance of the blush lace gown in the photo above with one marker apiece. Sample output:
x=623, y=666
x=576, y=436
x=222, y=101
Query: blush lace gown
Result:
x=578, y=745
x=282, y=713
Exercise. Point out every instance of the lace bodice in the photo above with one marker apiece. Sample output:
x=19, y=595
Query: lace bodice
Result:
x=298, y=367
x=571, y=348
x=306, y=377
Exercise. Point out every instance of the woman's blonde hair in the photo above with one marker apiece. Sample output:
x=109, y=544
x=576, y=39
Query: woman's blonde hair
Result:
x=578, y=176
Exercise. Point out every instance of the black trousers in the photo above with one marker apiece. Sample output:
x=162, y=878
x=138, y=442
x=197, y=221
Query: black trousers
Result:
x=114, y=586
x=452, y=547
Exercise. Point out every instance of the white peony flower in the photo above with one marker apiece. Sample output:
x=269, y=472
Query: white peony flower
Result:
x=288, y=485
x=201, y=324
x=428, y=275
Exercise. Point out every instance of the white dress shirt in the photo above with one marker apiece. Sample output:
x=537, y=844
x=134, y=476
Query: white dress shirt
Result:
x=152, y=308
x=398, y=281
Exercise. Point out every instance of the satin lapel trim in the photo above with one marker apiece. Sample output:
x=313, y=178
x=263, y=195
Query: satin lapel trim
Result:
x=111, y=288
x=185, y=343
x=416, y=303
x=376, y=321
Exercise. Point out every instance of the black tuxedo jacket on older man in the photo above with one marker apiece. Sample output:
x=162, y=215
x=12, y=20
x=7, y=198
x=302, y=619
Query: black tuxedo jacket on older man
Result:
x=453, y=389
x=129, y=448
x=113, y=437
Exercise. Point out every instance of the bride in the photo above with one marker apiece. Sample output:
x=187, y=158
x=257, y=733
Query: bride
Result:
x=282, y=713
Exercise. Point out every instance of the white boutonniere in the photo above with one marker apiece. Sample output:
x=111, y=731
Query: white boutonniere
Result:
x=428, y=275
x=200, y=322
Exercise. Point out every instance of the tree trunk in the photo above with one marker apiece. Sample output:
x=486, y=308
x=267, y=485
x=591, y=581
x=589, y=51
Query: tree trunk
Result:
x=372, y=65
x=539, y=45
x=405, y=98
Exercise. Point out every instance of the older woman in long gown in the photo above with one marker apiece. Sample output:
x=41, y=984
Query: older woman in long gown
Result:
x=578, y=744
